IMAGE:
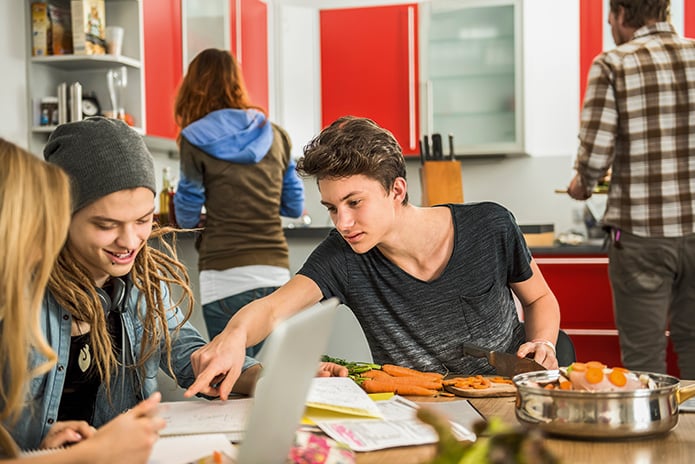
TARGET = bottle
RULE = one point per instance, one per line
(164, 198)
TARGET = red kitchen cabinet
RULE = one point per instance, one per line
(369, 68)
(249, 39)
(163, 64)
(164, 56)
(581, 285)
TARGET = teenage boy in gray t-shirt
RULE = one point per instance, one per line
(421, 281)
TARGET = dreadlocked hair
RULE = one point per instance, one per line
(73, 288)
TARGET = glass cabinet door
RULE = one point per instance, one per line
(470, 74)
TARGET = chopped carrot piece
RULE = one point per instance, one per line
(565, 385)
(549, 386)
(621, 369)
(594, 375)
(579, 367)
(595, 364)
(617, 378)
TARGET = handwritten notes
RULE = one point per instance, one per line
(340, 395)
(198, 417)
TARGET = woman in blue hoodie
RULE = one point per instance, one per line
(237, 164)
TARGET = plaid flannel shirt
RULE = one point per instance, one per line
(639, 118)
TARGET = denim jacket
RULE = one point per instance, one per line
(45, 391)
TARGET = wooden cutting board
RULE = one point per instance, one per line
(495, 390)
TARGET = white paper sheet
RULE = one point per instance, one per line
(343, 395)
(399, 427)
(197, 417)
(183, 449)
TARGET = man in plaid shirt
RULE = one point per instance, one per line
(638, 121)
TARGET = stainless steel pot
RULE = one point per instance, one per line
(599, 415)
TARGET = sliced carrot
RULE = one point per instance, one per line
(477, 382)
(549, 386)
(596, 364)
(501, 380)
(565, 385)
(594, 375)
(578, 366)
(617, 378)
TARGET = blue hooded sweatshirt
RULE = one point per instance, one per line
(236, 136)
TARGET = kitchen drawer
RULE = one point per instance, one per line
(581, 286)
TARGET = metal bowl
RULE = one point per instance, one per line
(599, 415)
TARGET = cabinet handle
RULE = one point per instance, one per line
(571, 260)
(412, 139)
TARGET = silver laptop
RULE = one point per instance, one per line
(290, 361)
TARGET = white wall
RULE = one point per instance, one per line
(525, 184)
(551, 76)
(14, 121)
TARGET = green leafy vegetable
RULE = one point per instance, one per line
(354, 367)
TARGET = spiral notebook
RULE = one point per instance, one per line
(266, 424)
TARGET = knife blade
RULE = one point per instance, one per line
(506, 364)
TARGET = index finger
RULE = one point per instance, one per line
(202, 383)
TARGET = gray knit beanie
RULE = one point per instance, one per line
(101, 156)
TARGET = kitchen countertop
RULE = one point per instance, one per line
(594, 247)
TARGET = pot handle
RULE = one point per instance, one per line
(685, 393)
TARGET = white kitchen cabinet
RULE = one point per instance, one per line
(470, 74)
(45, 73)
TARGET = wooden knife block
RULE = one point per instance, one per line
(441, 182)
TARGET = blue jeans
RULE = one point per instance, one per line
(219, 312)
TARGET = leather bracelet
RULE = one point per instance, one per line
(547, 343)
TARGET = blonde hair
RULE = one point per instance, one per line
(74, 289)
(34, 221)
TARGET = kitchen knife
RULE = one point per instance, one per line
(437, 150)
(506, 364)
(426, 143)
(451, 147)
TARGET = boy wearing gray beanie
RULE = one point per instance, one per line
(108, 311)
(101, 156)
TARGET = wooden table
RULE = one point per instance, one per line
(678, 446)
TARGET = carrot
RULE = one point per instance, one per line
(419, 381)
(565, 385)
(578, 366)
(595, 364)
(400, 371)
(549, 386)
(376, 374)
(617, 378)
(501, 380)
(594, 374)
(384, 386)
(477, 382)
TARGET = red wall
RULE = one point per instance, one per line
(591, 23)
